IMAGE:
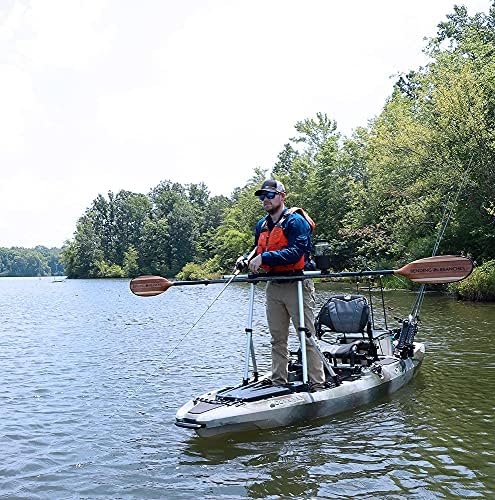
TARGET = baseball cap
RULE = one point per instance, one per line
(270, 185)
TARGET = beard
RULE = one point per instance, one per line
(272, 207)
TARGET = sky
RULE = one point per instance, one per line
(104, 95)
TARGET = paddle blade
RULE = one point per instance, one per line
(148, 286)
(438, 269)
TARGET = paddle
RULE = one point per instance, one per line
(431, 270)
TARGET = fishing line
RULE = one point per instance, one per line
(199, 319)
(444, 223)
(452, 205)
(90, 460)
(153, 373)
(162, 364)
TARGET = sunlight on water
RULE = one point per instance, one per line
(92, 376)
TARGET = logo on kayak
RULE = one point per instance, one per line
(287, 400)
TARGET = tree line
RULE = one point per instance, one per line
(126, 234)
(38, 261)
(379, 197)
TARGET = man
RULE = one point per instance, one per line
(283, 241)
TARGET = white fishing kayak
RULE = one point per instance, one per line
(257, 406)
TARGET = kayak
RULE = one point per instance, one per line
(256, 406)
(361, 364)
(362, 361)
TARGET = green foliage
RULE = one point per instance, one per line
(479, 286)
(131, 259)
(230, 244)
(435, 134)
(246, 209)
(192, 271)
(106, 270)
(127, 234)
(207, 270)
(153, 247)
(181, 236)
(38, 261)
(379, 197)
(81, 255)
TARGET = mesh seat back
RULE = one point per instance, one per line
(344, 314)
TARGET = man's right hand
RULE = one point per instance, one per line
(254, 264)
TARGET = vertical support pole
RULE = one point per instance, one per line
(302, 331)
(249, 337)
(253, 359)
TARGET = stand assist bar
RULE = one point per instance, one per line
(302, 331)
(302, 337)
(249, 340)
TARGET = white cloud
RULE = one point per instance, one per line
(66, 34)
(108, 95)
(17, 101)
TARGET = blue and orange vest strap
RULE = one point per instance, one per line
(301, 211)
(275, 240)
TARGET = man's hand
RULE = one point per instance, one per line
(254, 264)
(241, 263)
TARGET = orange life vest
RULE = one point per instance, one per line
(274, 240)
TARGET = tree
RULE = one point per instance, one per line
(153, 248)
(286, 158)
(181, 237)
(131, 259)
(82, 255)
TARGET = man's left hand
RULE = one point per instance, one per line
(254, 264)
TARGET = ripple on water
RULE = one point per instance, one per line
(92, 376)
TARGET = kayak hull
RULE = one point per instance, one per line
(210, 415)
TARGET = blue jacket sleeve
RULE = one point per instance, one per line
(298, 235)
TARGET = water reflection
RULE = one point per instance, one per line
(90, 384)
(385, 448)
(319, 458)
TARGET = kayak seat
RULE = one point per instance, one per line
(354, 353)
(349, 317)
(343, 314)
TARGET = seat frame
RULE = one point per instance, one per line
(355, 351)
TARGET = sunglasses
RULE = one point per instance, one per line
(269, 196)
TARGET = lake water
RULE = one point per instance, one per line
(91, 377)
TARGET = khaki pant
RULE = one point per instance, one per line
(281, 305)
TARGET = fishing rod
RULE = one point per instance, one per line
(410, 324)
(135, 284)
(445, 219)
(431, 270)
